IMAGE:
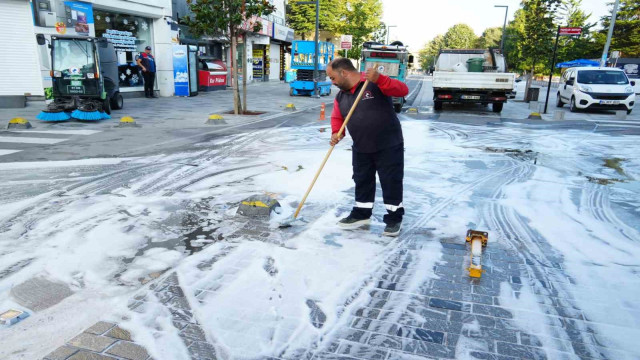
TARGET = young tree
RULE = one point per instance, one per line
(626, 33)
(460, 36)
(361, 20)
(539, 34)
(302, 18)
(429, 53)
(380, 34)
(583, 47)
(513, 42)
(215, 17)
(490, 38)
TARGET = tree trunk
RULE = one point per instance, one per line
(244, 73)
(234, 66)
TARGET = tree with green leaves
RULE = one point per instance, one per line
(539, 32)
(582, 47)
(539, 35)
(216, 17)
(302, 18)
(459, 36)
(429, 53)
(490, 38)
(626, 32)
(380, 34)
(361, 20)
(514, 34)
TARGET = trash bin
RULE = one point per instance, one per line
(533, 94)
(475, 64)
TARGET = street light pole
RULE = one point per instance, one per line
(605, 52)
(389, 26)
(504, 26)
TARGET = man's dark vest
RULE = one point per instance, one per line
(374, 125)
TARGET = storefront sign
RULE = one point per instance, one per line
(180, 70)
(266, 29)
(63, 17)
(282, 33)
(121, 40)
(258, 64)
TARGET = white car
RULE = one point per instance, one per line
(596, 88)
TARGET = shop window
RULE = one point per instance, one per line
(129, 35)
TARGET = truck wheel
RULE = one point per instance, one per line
(559, 102)
(117, 102)
(437, 105)
(629, 111)
(497, 107)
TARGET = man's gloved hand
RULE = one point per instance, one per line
(335, 139)
(372, 75)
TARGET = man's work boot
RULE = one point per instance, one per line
(392, 230)
(351, 222)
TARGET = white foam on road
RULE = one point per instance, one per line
(30, 140)
(59, 132)
(7, 152)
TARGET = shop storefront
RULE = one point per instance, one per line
(130, 35)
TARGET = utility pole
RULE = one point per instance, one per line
(605, 52)
(553, 63)
(504, 26)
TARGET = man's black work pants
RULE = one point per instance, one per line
(149, 79)
(389, 164)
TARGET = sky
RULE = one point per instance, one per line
(419, 21)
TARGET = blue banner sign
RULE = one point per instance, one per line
(180, 70)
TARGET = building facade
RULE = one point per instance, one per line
(130, 25)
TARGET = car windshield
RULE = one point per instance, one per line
(602, 77)
(73, 56)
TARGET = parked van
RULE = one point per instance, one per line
(596, 88)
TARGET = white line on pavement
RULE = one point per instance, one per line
(29, 140)
(60, 132)
(7, 152)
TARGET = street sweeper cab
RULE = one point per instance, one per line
(392, 60)
(85, 79)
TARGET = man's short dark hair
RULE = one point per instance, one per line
(342, 64)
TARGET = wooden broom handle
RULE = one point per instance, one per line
(344, 124)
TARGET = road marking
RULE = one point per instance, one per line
(59, 132)
(30, 140)
(7, 152)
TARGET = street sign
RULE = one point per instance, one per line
(345, 41)
(570, 31)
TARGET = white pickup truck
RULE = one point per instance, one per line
(471, 76)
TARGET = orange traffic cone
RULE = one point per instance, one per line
(322, 117)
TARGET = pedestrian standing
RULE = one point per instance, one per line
(378, 145)
(147, 63)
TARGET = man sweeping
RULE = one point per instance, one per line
(378, 145)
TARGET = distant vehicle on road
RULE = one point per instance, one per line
(596, 88)
(392, 60)
(471, 76)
